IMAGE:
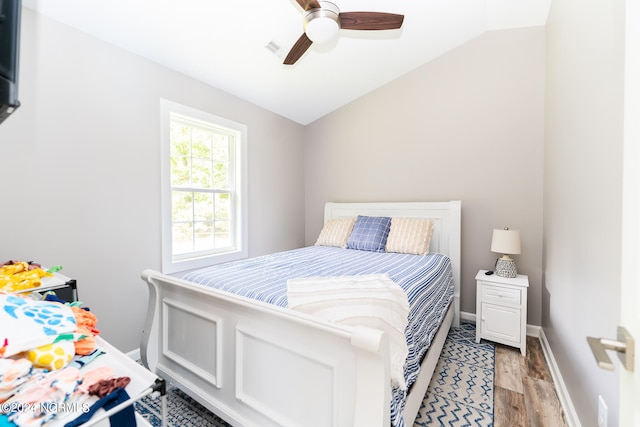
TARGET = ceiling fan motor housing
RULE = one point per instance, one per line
(322, 24)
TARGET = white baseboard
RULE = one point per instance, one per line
(558, 382)
(561, 389)
(134, 354)
(533, 331)
(469, 317)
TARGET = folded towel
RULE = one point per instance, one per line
(372, 300)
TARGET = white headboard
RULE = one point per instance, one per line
(446, 235)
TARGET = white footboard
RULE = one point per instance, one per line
(256, 364)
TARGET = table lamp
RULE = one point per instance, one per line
(506, 242)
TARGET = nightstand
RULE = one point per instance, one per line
(501, 309)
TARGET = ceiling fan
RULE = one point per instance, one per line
(322, 21)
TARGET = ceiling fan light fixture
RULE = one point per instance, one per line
(322, 25)
(323, 21)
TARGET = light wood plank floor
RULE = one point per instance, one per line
(524, 393)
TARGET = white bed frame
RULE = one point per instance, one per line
(257, 364)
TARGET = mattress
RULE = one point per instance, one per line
(427, 280)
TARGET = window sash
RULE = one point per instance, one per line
(206, 238)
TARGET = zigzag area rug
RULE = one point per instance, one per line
(460, 393)
(461, 390)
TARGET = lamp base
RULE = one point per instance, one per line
(506, 268)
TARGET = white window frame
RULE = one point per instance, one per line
(171, 264)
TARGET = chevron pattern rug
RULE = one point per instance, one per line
(460, 393)
(461, 389)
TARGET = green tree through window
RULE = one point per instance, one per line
(204, 191)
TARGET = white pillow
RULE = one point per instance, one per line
(410, 235)
(336, 232)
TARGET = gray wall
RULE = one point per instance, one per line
(81, 173)
(468, 126)
(583, 193)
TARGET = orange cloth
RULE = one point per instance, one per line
(85, 345)
(86, 321)
(85, 318)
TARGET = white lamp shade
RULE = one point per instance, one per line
(506, 241)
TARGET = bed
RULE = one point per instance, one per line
(259, 363)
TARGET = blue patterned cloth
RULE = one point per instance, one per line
(26, 324)
(427, 280)
(370, 233)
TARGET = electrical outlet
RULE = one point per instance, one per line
(602, 412)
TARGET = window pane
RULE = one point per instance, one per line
(221, 146)
(182, 238)
(202, 173)
(221, 176)
(201, 143)
(223, 234)
(180, 171)
(182, 206)
(222, 161)
(223, 206)
(203, 207)
(180, 139)
(203, 236)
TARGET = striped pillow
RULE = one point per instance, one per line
(410, 235)
(336, 232)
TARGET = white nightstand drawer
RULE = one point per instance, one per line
(500, 294)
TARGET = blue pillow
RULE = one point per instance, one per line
(370, 233)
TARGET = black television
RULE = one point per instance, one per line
(10, 11)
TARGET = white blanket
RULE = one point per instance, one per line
(372, 300)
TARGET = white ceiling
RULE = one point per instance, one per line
(222, 42)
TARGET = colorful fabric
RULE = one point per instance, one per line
(94, 376)
(86, 344)
(107, 386)
(41, 393)
(85, 319)
(13, 373)
(4, 421)
(26, 324)
(52, 356)
(81, 361)
(86, 322)
(124, 418)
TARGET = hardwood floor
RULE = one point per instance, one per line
(524, 393)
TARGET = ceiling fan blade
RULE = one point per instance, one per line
(309, 4)
(370, 21)
(298, 49)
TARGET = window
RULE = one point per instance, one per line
(204, 214)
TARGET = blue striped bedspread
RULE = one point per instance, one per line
(427, 280)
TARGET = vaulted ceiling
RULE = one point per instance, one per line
(224, 42)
